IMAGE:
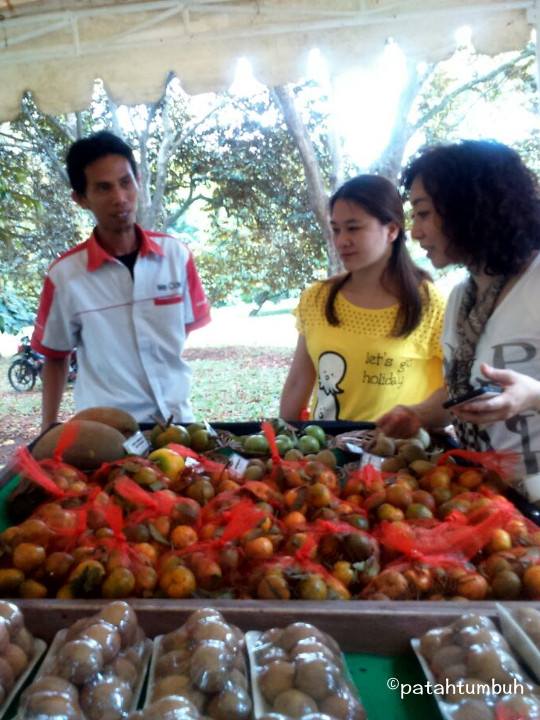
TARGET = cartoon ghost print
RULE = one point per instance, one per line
(332, 368)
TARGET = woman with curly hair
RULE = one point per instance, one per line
(370, 336)
(476, 204)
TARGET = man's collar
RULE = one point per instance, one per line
(97, 255)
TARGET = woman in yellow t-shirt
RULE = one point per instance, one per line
(368, 339)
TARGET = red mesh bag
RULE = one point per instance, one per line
(270, 435)
(502, 463)
(236, 520)
(33, 471)
(459, 535)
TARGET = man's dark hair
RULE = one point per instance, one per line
(84, 152)
(488, 201)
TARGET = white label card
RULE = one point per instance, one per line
(356, 449)
(237, 463)
(137, 444)
(375, 460)
(210, 430)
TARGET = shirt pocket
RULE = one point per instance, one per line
(169, 300)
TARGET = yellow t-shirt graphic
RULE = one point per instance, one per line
(363, 371)
(332, 369)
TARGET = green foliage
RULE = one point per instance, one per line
(37, 221)
(455, 89)
(264, 236)
(15, 312)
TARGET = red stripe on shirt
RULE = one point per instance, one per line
(78, 248)
(199, 302)
(198, 324)
(46, 300)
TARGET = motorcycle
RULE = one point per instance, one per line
(27, 366)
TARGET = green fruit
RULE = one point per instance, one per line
(316, 432)
(254, 472)
(294, 455)
(172, 434)
(357, 521)
(284, 444)
(327, 457)
(154, 434)
(145, 476)
(256, 444)
(308, 444)
(417, 510)
(194, 427)
(200, 440)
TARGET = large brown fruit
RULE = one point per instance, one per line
(115, 418)
(93, 443)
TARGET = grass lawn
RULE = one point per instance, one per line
(229, 383)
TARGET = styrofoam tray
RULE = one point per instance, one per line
(48, 665)
(447, 710)
(519, 640)
(39, 649)
(156, 653)
(260, 705)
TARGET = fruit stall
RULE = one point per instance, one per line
(370, 540)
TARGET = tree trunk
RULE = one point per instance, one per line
(318, 197)
(389, 163)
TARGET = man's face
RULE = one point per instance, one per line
(111, 193)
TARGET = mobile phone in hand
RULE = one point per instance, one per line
(482, 393)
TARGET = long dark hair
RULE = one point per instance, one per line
(380, 198)
(488, 202)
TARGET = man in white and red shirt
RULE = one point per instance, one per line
(126, 299)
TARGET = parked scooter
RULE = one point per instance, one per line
(27, 366)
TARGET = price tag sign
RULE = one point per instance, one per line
(369, 459)
(237, 463)
(210, 430)
(137, 444)
(355, 449)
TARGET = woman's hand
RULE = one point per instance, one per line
(400, 422)
(520, 393)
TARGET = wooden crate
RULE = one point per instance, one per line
(383, 628)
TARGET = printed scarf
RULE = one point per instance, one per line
(473, 314)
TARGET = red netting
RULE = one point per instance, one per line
(53, 465)
(503, 463)
(68, 435)
(115, 520)
(263, 491)
(299, 563)
(366, 477)
(149, 505)
(237, 520)
(32, 470)
(133, 493)
(184, 451)
(458, 535)
(270, 435)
